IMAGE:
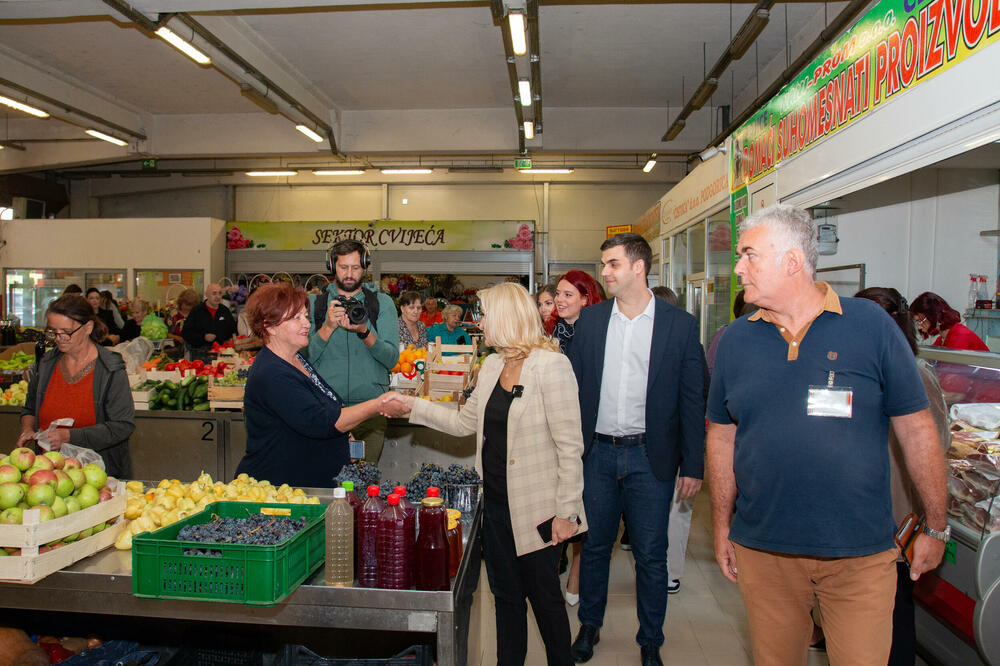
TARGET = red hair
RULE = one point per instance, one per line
(588, 288)
(940, 315)
(271, 304)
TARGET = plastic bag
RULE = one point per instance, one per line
(134, 353)
(984, 415)
(85, 456)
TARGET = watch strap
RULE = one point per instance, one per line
(940, 535)
(363, 334)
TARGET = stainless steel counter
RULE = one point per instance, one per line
(454, 616)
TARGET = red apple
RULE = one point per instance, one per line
(72, 463)
(9, 474)
(104, 494)
(64, 484)
(41, 462)
(58, 459)
(43, 476)
(22, 458)
(10, 495)
(76, 476)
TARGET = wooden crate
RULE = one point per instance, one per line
(438, 363)
(30, 566)
(164, 375)
(218, 393)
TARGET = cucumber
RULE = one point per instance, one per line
(169, 385)
(201, 407)
(188, 379)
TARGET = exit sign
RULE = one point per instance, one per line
(149, 163)
(619, 229)
(522, 163)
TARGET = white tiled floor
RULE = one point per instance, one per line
(706, 623)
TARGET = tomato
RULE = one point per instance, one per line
(170, 367)
(198, 365)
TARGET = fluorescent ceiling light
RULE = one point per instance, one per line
(183, 46)
(650, 163)
(258, 98)
(338, 172)
(749, 32)
(286, 172)
(529, 129)
(400, 172)
(515, 19)
(545, 170)
(524, 91)
(704, 93)
(30, 110)
(675, 129)
(106, 137)
(309, 133)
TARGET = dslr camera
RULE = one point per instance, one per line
(356, 312)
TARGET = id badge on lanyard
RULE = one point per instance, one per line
(830, 400)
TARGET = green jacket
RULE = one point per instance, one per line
(356, 372)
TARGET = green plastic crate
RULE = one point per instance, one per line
(253, 575)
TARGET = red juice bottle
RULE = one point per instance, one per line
(432, 546)
(367, 536)
(392, 547)
(411, 521)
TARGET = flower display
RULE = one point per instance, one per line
(235, 239)
(524, 239)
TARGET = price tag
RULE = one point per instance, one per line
(274, 511)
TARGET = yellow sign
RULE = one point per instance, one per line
(274, 511)
(619, 229)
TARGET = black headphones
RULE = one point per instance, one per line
(356, 246)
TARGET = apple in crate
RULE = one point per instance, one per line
(9, 474)
(22, 458)
(11, 516)
(96, 476)
(41, 494)
(72, 463)
(59, 507)
(45, 513)
(58, 459)
(64, 484)
(76, 475)
(89, 496)
(72, 504)
(10, 495)
(46, 476)
(41, 462)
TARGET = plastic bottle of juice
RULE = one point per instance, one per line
(394, 565)
(367, 536)
(432, 546)
(356, 504)
(339, 541)
(411, 521)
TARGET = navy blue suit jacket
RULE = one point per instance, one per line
(675, 401)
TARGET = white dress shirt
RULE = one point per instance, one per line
(622, 410)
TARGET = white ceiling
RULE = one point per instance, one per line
(392, 79)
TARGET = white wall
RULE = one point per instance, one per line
(920, 232)
(215, 201)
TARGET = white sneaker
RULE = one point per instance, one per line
(572, 599)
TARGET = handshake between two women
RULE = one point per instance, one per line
(394, 404)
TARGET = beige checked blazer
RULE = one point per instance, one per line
(544, 441)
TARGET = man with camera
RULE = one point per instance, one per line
(354, 340)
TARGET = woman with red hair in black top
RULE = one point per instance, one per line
(574, 291)
(933, 316)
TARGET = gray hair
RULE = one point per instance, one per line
(448, 309)
(794, 225)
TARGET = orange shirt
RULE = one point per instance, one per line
(429, 320)
(62, 400)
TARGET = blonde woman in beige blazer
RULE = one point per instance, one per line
(531, 464)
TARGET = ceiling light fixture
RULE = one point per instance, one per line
(749, 32)
(650, 164)
(518, 40)
(309, 133)
(259, 98)
(257, 174)
(182, 45)
(107, 137)
(20, 106)
(703, 93)
(545, 170)
(524, 91)
(675, 129)
(529, 129)
(410, 172)
(338, 172)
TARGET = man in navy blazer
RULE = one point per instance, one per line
(639, 367)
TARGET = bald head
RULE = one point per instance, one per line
(213, 295)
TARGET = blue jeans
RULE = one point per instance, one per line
(616, 479)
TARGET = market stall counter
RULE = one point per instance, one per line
(453, 616)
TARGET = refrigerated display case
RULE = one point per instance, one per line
(958, 606)
(30, 290)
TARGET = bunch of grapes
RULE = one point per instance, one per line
(362, 473)
(458, 475)
(429, 475)
(257, 530)
(386, 488)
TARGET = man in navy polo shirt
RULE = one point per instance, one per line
(802, 397)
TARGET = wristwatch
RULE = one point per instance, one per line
(572, 518)
(363, 334)
(940, 535)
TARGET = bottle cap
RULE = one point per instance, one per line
(433, 491)
(400, 490)
(454, 514)
(432, 501)
(373, 491)
(339, 493)
(348, 486)
(452, 524)
(393, 500)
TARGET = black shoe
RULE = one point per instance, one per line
(586, 639)
(651, 655)
(674, 586)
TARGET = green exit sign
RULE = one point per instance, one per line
(149, 163)
(522, 163)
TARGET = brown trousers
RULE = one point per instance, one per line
(855, 595)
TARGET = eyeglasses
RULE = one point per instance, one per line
(59, 334)
(920, 320)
